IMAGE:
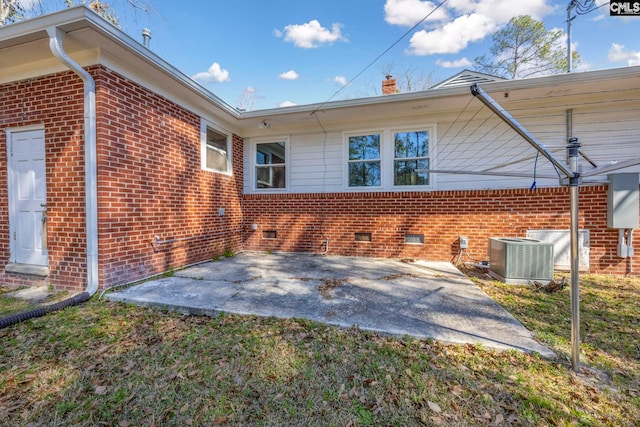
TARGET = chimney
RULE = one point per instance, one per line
(146, 37)
(389, 85)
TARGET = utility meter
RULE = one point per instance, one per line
(464, 242)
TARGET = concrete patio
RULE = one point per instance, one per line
(420, 299)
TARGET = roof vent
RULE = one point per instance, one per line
(146, 37)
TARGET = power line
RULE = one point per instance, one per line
(380, 56)
(582, 7)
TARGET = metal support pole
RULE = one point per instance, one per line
(569, 129)
(573, 148)
(497, 109)
(572, 4)
(573, 178)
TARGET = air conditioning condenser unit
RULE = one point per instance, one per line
(519, 260)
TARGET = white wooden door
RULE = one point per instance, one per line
(27, 197)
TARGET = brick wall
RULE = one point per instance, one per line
(304, 222)
(57, 103)
(149, 181)
(151, 184)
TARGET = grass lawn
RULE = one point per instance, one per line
(110, 364)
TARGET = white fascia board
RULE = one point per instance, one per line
(147, 55)
(553, 81)
(36, 28)
(357, 102)
(558, 80)
(79, 17)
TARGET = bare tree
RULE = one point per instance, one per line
(101, 8)
(13, 10)
(408, 78)
(10, 11)
(248, 99)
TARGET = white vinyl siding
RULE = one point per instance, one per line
(314, 165)
(471, 140)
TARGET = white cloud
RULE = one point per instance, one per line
(501, 11)
(289, 75)
(452, 37)
(583, 66)
(215, 73)
(458, 22)
(341, 80)
(311, 34)
(458, 63)
(408, 13)
(287, 104)
(617, 53)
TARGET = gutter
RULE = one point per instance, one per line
(91, 188)
(90, 156)
(543, 82)
(80, 17)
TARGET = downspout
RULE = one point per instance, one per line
(90, 156)
(91, 173)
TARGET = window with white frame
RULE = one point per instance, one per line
(411, 157)
(389, 158)
(271, 165)
(364, 160)
(216, 153)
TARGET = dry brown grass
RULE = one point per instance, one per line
(112, 364)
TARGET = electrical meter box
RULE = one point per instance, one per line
(623, 199)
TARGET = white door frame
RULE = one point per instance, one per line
(40, 255)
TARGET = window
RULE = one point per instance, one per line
(364, 160)
(216, 150)
(389, 159)
(411, 158)
(271, 165)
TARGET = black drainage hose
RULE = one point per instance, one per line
(38, 312)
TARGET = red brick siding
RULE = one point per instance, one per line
(304, 222)
(149, 181)
(57, 103)
(151, 184)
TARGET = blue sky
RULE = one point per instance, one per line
(257, 54)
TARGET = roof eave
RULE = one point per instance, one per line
(503, 85)
(79, 17)
(355, 102)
